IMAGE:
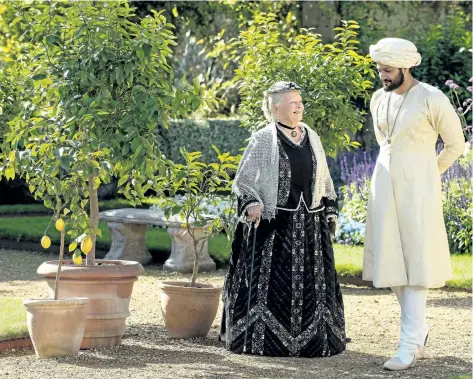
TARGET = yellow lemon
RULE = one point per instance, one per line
(45, 242)
(77, 259)
(60, 224)
(86, 245)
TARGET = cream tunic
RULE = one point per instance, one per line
(406, 241)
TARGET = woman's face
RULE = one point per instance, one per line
(290, 109)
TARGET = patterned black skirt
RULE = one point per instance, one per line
(296, 306)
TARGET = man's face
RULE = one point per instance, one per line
(391, 77)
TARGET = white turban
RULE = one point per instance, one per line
(395, 52)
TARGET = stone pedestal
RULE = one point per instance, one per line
(182, 252)
(128, 242)
(128, 228)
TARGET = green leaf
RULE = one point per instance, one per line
(10, 173)
(122, 181)
(96, 182)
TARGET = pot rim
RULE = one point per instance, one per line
(122, 270)
(78, 301)
(184, 285)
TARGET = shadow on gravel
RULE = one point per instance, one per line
(147, 348)
(451, 302)
(364, 291)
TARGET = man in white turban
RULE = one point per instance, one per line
(406, 245)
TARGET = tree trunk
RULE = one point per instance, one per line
(94, 219)
(59, 266)
(196, 264)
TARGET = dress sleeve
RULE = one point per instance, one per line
(244, 202)
(331, 207)
(447, 123)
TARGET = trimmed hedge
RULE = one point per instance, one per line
(199, 135)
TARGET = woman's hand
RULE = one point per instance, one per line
(332, 226)
(254, 214)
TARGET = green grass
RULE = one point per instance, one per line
(349, 262)
(348, 259)
(462, 268)
(12, 318)
(468, 376)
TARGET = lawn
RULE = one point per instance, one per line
(349, 262)
(349, 259)
(12, 318)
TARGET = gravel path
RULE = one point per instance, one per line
(372, 323)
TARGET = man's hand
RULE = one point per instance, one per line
(254, 214)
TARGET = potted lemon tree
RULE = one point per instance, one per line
(56, 326)
(99, 84)
(189, 308)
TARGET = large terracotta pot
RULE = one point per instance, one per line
(189, 311)
(108, 285)
(56, 326)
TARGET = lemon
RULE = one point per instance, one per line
(86, 245)
(77, 259)
(45, 242)
(60, 224)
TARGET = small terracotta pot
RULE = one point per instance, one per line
(56, 326)
(189, 311)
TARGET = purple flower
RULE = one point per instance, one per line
(460, 110)
(449, 82)
(454, 86)
(471, 80)
(469, 89)
(467, 101)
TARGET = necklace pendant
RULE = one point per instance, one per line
(294, 133)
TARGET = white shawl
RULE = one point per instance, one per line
(258, 173)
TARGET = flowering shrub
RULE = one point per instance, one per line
(456, 200)
(458, 205)
(349, 232)
(463, 108)
(356, 171)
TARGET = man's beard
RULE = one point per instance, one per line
(395, 84)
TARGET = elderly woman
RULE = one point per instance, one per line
(288, 209)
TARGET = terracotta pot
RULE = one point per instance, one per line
(108, 286)
(189, 311)
(56, 326)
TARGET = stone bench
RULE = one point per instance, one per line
(128, 228)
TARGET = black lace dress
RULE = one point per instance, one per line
(296, 306)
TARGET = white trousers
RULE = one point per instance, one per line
(414, 328)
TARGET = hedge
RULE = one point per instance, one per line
(199, 135)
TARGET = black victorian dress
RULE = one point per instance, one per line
(296, 306)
